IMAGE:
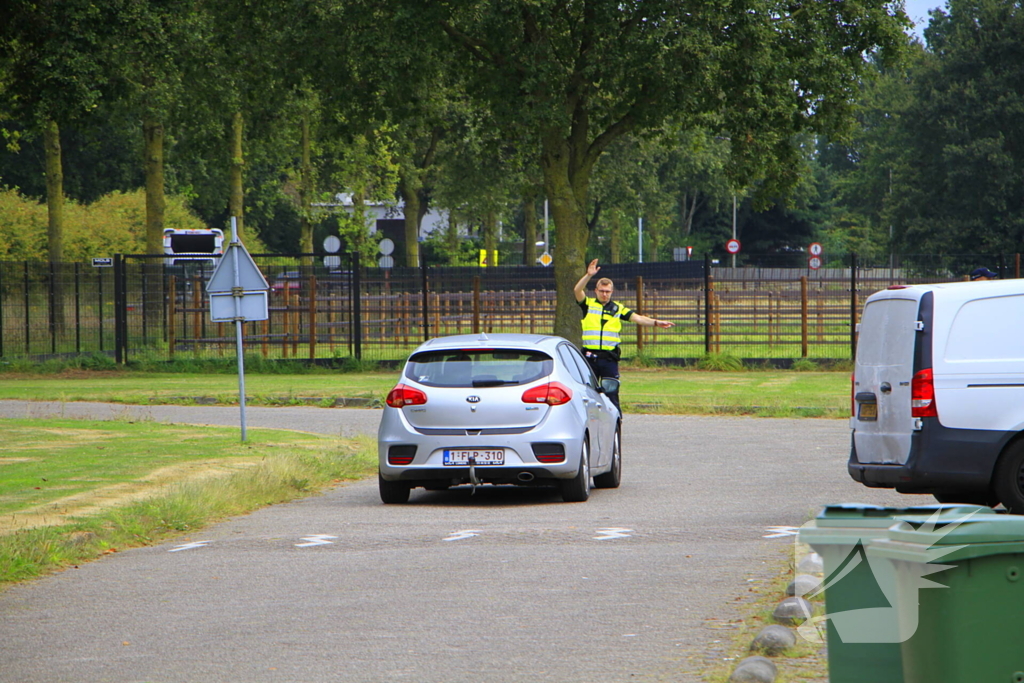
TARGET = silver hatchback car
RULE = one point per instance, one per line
(517, 409)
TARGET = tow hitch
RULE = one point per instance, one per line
(472, 474)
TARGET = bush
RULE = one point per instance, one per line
(720, 362)
(804, 365)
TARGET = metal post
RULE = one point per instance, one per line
(236, 291)
(853, 306)
(53, 307)
(707, 303)
(426, 308)
(640, 238)
(119, 309)
(78, 311)
(357, 308)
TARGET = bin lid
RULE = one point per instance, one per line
(979, 528)
(914, 538)
(879, 517)
(846, 524)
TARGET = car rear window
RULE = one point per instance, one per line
(478, 367)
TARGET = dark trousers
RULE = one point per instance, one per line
(604, 365)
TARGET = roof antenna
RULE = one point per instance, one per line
(483, 337)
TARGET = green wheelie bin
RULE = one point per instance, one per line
(960, 588)
(862, 629)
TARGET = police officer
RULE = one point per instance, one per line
(602, 323)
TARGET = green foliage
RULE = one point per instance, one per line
(113, 224)
(720, 362)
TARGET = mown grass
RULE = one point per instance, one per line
(281, 466)
(646, 387)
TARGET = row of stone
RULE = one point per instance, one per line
(775, 639)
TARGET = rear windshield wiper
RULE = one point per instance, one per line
(493, 382)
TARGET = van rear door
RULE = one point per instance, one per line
(882, 424)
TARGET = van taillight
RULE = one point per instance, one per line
(553, 393)
(403, 395)
(922, 395)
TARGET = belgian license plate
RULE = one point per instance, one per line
(481, 456)
(868, 411)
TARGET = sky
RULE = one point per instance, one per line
(917, 10)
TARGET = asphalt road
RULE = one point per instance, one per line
(502, 585)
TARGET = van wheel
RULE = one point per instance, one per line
(1009, 478)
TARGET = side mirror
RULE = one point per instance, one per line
(609, 385)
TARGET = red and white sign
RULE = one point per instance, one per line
(733, 246)
(814, 262)
(815, 249)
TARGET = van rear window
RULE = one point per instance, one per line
(887, 332)
(478, 367)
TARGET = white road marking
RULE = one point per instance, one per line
(459, 535)
(315, 539)
(190, 546)
(612, 532)
(781, 531)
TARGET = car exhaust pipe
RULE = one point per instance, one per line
(525, 477)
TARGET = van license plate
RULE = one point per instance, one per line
(867, 411)
(481, 456)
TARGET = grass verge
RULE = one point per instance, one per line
(767, 393)
(282, 466)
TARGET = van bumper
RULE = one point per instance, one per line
(941, 460)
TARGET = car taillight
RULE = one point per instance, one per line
(552, 393)
(922, 395)
(403, 395)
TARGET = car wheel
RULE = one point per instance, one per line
(613, 477)
(1009, 478)
(393, 491)
(577, 489)
(975, 498)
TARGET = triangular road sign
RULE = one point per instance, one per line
(250, 279)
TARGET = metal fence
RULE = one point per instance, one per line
(142, 308)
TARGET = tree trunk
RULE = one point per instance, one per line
(490, 227)
(529, 229)
(55, 217)
(408, 189)
(615, 241)
(235, 195)
(153, 131)
(452, 237)
(566, 183)
(305, 190)
(54, 192)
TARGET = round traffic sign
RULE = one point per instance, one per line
(386, 261)
(332, 244)
(733, 246)
(386, 247)
(814, 262)
(815, 249)
(332, 262)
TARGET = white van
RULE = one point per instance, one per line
(938, 392)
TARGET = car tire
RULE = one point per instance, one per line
(1009, 478)
(613, 477)
(577, 489)
(392, 492)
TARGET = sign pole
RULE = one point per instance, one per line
(237, 293)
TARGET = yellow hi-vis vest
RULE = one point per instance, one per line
(602, 324)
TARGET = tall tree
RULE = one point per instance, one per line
(56, 60)
(958, 179)
(577, 76)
